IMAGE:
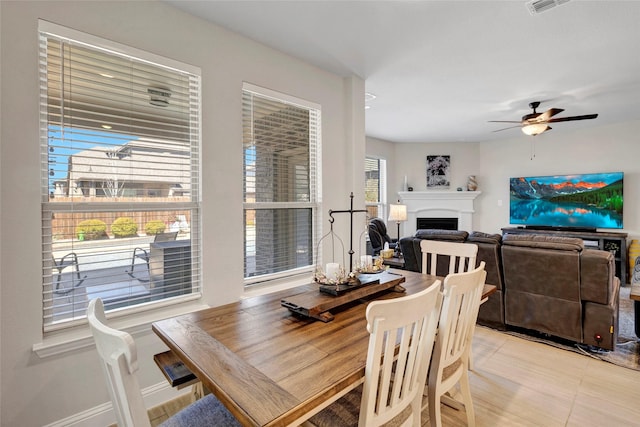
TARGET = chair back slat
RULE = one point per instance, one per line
(462, 256)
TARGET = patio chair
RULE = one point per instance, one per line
(69, 260)
(119, 357)
(143, 254)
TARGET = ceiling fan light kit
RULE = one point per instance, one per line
(536, 129)
(536, 123)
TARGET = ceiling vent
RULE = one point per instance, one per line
(159, 96)
(538, 6)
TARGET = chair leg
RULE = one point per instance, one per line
(59, 281)
(435, 417)
(197, 391)
(466, 397)
(144, 256)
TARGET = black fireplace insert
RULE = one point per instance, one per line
(437, 223)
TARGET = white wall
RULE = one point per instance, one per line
(411, 160)
(602, 149)
(40, 391)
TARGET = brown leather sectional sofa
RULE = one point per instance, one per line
(545, 283)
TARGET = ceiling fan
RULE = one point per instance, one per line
(535, 123)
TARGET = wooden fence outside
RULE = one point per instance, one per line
(64, 223)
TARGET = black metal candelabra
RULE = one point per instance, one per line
(351, 211)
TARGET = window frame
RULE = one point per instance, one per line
(314, 203)
(50, 30)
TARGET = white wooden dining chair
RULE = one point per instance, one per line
(462, 257)
(118, 354)
(402, 333)
(449, 364)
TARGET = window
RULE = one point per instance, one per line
(375, 171)
(120, 138)
(281, 142)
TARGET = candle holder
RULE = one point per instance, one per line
(334, 274)
(374, 265)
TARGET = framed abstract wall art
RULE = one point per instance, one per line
(438, 171)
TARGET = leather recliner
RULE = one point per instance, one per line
(378, 235)
(555, 286)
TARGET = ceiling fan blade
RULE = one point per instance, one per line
(572, 118)
(548, 114)
(510, 127)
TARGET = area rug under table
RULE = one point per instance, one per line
(626, 354)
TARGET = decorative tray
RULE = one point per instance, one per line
(341, 288)
(318, 305)
(378, 271)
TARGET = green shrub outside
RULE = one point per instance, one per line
(124, 227)
(154, 227)
(91, 229)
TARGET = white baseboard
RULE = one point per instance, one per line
(103, 415)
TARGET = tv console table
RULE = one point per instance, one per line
(616, 243)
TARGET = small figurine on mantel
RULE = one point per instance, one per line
(472, 184)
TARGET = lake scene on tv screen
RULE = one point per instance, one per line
(584, 200)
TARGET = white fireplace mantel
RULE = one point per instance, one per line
(438, 204)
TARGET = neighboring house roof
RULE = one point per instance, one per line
(143, 160)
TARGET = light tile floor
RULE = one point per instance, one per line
(523, 383)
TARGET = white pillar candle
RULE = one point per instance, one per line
(331, 270)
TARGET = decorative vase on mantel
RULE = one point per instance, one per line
(472, 184)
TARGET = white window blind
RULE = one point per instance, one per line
(375, 186)
(281, 141)
(120, 138)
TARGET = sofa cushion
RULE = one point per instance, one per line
(551, 273)
(480, 237)
(544, 242)
(438, 234)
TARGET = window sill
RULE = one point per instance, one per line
(79, 337)
(277, 285)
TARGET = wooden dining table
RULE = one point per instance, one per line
(273, 367)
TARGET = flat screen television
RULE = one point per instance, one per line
(584, 201)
